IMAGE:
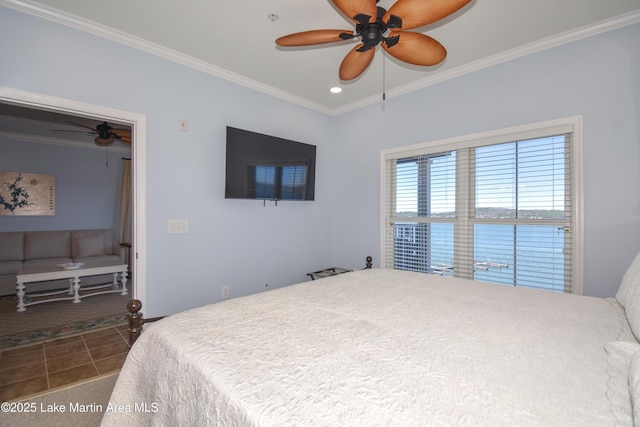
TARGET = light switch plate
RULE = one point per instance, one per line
(178, 226)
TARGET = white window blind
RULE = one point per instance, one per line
(496, 209)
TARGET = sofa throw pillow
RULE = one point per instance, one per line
(47, 244)
(11, 246)
(90, 246)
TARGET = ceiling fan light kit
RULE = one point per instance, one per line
(103, 142)
(378, 26)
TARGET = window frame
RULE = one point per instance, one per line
(573, 124)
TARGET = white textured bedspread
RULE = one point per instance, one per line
(376, 348)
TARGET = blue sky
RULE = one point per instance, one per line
(538, 176)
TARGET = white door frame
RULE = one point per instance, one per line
(138, 122)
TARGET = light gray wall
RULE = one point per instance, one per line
(87, 192)
(598, 78)
(231, 242)
(241, 243)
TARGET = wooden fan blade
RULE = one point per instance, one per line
(122, 135)
(82, 126)
(74, 131)
(122, 132)
(352, 8)
(355, 63)
(307, 38)
(416, 13)
(416, 48)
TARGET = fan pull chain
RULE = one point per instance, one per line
(106, 156)
(384, 78)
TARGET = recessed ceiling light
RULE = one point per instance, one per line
(335, 89)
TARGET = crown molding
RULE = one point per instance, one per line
(539, 46)
(120, 37)
(125, 39)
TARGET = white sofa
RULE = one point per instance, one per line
(22, 249)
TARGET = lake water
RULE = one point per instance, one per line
(525, 255)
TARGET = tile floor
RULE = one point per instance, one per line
(40, 367)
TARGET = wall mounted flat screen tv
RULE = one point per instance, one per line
(263, 167)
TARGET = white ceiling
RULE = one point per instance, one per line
(236, 39)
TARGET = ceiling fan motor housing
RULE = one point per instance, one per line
(104, 130)
(105, 136)
(372, 33)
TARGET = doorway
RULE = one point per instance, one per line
(137, 122)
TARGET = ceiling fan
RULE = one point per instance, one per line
(105, 134)
(375, 25)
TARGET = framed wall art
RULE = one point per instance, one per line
(24, 193)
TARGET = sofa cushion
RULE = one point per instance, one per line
(88, 246)
(46, 262)
(10, 268)
(47, 244)
(91, 243)
(100, 259)
(11, 246)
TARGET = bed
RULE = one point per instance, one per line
(381, 347)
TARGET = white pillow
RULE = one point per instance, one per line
(620, 395)
(632, 312)
(634, 387)
(630, 281)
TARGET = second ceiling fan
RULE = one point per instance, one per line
(375, 25)
(104, 133)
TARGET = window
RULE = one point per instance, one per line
(499, 207)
